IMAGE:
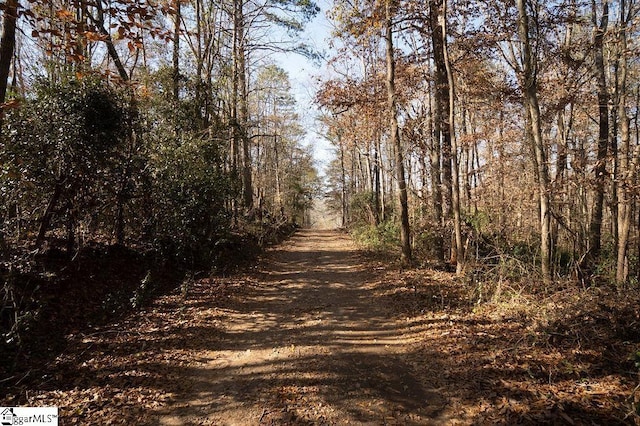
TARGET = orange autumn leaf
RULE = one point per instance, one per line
(64, 14)
(94, 36)
(11, 104)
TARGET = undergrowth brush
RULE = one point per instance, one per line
(48, 295)
(573, 346)
(381, 238)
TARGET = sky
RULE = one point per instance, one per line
(303, 75)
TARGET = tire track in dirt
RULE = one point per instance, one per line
(305, 342)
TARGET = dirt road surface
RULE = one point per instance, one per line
(315, 333)
(306, 343)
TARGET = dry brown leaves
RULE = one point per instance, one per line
(523, 358)
(122, 373)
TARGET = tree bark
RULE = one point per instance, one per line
(111, 48)
(625, 170)
(343, 184)
(176, 51)
(529, 82)
(241, 104)
(595, 227)
(235, 130)
(441, 124)
(436, 184)
(7, 46)
(45, 221)
(455, 178)
(376, 181)
(405, 241)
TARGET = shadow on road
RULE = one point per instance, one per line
(305, 341)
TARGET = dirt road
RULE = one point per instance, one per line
(316, 334)
(305, 343)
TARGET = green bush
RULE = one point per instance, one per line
(381, 238)
(189, 190)
(363, 210)
(63, 148)
(189, 193)
(425, 239)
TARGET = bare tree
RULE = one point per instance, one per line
(7, 46)
(530, 87)
(405, 231)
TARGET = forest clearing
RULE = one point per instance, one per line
(319, 333)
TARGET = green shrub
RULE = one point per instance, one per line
(63, 148)
(381, 238)
(189, 192)
(363, 210)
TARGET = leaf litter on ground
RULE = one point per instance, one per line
(565, 357)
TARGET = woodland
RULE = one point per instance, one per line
(147, 145)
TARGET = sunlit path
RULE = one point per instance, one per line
(304, 344)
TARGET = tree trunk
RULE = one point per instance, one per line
(45, 221)
(395, 137)
(7, 45)
(111, 48)
(376, 182)
(441, 120)
(529, 82)
(235, 125)
(343, 184)
(625, 171)
(241, 103)
(381, 181)
(243, 112)
(455, 179)
(99, 21)
(595, 227)
(71, 227)
(176, 51)
(123, 194)
(436, 184)
(201, 104)
(565, 125)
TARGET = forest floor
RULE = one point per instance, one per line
(317, 333)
